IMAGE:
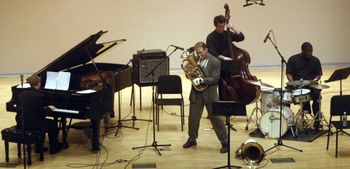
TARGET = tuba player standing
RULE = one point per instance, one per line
(211, 67)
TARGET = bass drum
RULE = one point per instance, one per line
(270, 122)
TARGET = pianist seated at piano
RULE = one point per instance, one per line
(31, 115)
(76, 87)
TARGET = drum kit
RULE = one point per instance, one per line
(269, 122)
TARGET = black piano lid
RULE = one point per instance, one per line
(79, 54)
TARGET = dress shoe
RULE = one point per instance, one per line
(44, 150)
(189, 144)
(224, 148)
(56, 149)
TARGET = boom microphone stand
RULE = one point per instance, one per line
(283, 61)
(154, 143)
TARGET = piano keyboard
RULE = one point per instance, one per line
(65, 111)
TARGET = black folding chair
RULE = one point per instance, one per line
(339, 105)
(169, 85)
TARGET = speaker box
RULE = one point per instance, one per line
(146, 61)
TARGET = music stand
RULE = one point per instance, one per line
(227, 109)
(340, 74)
(119, 124)
(226, 66)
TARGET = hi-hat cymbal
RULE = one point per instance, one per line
(320, 86)
(298, 83)
(260, 83)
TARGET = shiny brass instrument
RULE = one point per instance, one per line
(251, 152)
(192, 69)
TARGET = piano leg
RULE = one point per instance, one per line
(95, 142)
(64, 133)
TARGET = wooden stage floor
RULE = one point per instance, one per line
(205, 155)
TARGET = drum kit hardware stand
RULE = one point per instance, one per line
(301, 120)
(254, 115)
(319, 116)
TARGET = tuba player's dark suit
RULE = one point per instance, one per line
(205, 98)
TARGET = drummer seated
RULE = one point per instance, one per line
(303, 70)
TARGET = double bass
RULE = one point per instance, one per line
(234, 85)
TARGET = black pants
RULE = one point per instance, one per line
(49, 126)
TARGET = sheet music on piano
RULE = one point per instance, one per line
(57, 80)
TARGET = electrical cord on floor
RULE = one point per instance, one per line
(137, 156)
(97, 164)
(176, 115)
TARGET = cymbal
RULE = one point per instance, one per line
(298, 83)
(320, 86)
(260, 83)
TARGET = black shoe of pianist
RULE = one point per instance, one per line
(37, 150)
(56, 149)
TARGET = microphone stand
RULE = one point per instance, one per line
(283, 61)
(154, 144)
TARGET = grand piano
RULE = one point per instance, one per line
(103, 79)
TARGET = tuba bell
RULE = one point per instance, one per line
(251, 152)
(192, 69)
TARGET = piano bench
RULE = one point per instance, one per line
(28, 138)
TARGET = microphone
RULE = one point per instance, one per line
(177, 47)
(267, 36)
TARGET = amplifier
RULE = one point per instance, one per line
(147, 60)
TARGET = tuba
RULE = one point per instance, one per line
(192, 69)
(251, 152)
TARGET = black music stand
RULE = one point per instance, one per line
(340, 74)
(227, 109)
(226, 66)
(119, 124)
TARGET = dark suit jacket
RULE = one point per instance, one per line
(212, 72)
(30, 106)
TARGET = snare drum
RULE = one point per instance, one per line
(301, 95)
(270, 122)
(287, 96)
